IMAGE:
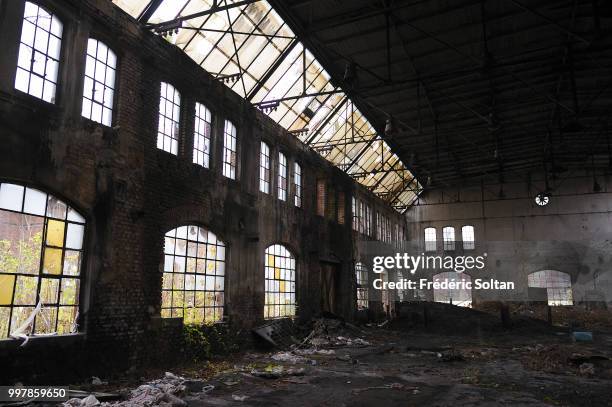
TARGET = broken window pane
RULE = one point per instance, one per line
(37, 70)
(189, 276)
(264, 168)
(99, 85)
(169, 114)
(279, 280)
(201, 139)
(34, 247)
(229, 150)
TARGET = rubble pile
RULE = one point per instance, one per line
(331, 332)
(165, 392)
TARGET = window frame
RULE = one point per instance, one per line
(297, 184)
(293, 272)
(265, 168)
(186, 256)
(30, 71)
(468, 244)
(430, 245)
(282, 178)
(105, 85)
(227, 164)
(175, 122)
(72, 216)
(206, 156)
(449, 238)
(362, 283)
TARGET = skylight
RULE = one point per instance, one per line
(246, 44)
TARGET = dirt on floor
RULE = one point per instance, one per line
(461, 358)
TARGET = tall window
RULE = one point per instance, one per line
(282, 177)
(341, 208)
(558, 286)
(201, 136)
(361, 210)
(297, 183)
(355, 214)
(41, 248)
(194, 275)
(280, 282)
(467, 236)
(229, 150)
(430, 240)
(99, 87)
(264, 168)
(361, 274)
(39, 53)
(321, 197)
(379, 234)
(368, 221)
(169, 113)
(448, 234)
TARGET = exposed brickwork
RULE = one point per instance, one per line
(132, 193)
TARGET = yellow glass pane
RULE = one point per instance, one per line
(53, 261)
(5, 312)
(48, 290)
(282, 286)
(6, 289)
(270, 260)
(55, 232)
(66, 320)
(45, 321)
(70, 291)
(25, 290)
(277, 273)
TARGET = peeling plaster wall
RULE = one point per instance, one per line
(132, 193)
(572, 234)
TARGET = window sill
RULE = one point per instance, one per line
(12, 343)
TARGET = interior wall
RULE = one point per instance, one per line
(572, 234)
(132, 193)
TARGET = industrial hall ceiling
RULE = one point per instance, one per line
(405, 95)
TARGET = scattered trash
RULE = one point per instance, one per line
(289, 357)
(276, 372)
(89, 401)
(236, 397)
(96, 381)
(450, 356)
(587, 369)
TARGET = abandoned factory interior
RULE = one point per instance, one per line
(305, 203)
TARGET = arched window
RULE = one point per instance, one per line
(39, 53)
(41, 250)
(448, 234)
(99, 86)
(361, 274)
(201, 135)
(194, 275)
(169, 115)
(264, 168)
(229, 150)
(282, 177)
(460, 296)
(430, 240)
(467, 236)
(280, 282)
(558, 286)
(297, 183)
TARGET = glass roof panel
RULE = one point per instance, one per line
(250, 39)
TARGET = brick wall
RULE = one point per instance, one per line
(132, 193)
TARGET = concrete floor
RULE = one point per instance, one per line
(424, 370)
(462, 358)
